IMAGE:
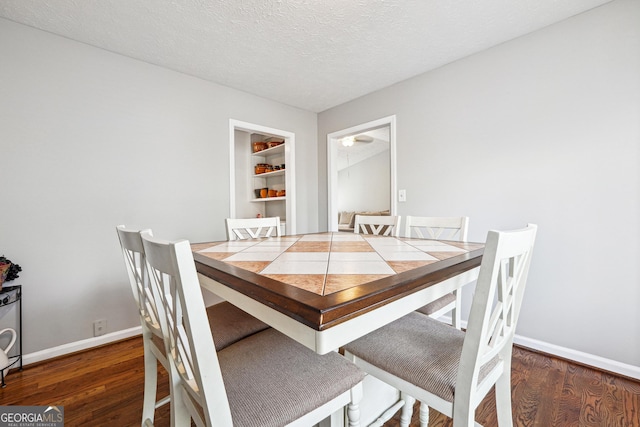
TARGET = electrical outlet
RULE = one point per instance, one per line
(99, 327)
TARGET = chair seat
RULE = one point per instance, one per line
(419, 350)
(438, 304)
(229, 324)
(272, 380)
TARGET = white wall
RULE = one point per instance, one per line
(90, 140)
(542, 129)
(365, 186)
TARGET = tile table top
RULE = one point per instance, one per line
(325, 263)
(326, 289)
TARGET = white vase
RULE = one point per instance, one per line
(4, 357)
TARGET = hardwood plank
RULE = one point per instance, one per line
(528, 398)
(98, 387)
(551, 392)
(104, 387)
(612, 403)
(630, 391)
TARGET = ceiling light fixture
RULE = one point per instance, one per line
(348, 141)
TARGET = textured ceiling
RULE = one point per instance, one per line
(312, 54)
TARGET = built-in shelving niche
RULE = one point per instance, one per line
(244, 181)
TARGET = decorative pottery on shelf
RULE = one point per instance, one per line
(259, 146)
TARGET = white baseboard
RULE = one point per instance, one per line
(571, 354)
(552, 349)
(580, 357)
(61, 350)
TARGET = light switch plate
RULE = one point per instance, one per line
(402, 195)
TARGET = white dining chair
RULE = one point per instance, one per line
(445, 368)
(252, 228)
(232, 324)
(381, 225)
(442, 228)
(266, 379)
(437, 227)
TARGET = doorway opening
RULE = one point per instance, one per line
(361, 170)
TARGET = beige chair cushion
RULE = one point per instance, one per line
(229, 324)
(345, 217)
(272, 380)
(352, 223)
(417, 349)
(436, 305)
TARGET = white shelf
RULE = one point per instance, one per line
(267, 174)
(270, 151)
(274, 153)
(244, 181)
(268, 199)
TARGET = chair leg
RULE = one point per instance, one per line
(424, 414)
(150, 383)
(503, 398)
(456, 320)
(463, 412)
(353, 409)
(180, 416)
(388, 414)
(336, 419)
(407, 410)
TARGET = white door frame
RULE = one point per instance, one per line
(332, 170)
(289, 174)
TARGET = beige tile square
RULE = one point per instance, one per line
(195, 247)
(340, 282)
(351, 247)
(217, 255)
(466, 245)
(309, 282)
(254, 266)
(310, 247)
(445, 255)
(359, 267)
(402, 266)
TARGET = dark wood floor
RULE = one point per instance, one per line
(103, 387)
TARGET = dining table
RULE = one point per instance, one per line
(327, 289)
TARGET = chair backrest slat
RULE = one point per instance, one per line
(382, 225)
(252, 228)
(497, 302)
(134, 257)
(188, 340)
(443, 228)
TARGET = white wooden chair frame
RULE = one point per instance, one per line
(384, 225)
(441, 228)
(252, 228)
(194, 365)
(134, 259)
(491, 328)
